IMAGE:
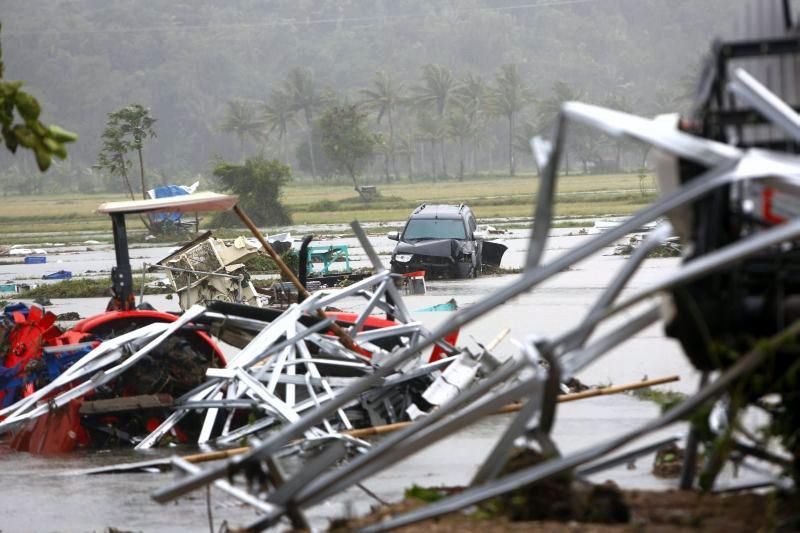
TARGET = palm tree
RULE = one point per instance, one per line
(507, 98)
(470, 96)
(435, 93)
(382, 98)
(430, 130)
(406, 147)
(305, 97)
(551, 107)
(522, 138)
(618, 102)
(241, 118)
(278, 114)
(459, 126)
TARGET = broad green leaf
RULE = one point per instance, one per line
(24, 135)
(62, 135)
(43, 159)
(27, 105)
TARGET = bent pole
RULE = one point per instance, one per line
(346, 339)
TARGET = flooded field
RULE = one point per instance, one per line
(46, 493)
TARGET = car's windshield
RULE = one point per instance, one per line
(434, 228)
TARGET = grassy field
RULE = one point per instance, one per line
(320, 203)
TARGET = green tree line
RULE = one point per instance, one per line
(197, 64)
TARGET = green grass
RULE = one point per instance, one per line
(318, 203)
(662, 398)
(84, 288)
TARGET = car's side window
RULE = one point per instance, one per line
(472, 225)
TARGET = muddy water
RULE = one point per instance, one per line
(44, 494)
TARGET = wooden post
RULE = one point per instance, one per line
(344, 337)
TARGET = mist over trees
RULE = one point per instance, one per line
(452, 88)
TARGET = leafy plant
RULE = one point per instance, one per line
(258, 183)
(346, 141)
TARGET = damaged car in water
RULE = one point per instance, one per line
(444, 241)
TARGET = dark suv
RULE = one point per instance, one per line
(443, 241)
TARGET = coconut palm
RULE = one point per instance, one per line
(241, 119)
(507, 98)
(430, 129)
(618, 102)
(278, 114)
(382, 99)
(523, 136)
(406, 147)
(306, 97)
(470, 97)
(550, 107)
(460, 127)
(435, 93)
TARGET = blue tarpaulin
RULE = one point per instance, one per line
(165, 192)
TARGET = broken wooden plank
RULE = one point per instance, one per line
(127, 403)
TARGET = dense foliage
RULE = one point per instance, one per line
(346, 141)
(187, 60)
(126, 130)
(258, 183)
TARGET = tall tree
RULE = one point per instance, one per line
(619, 102)
(507, 98)
(278, 115)
(382, 98)
(470, 96)
(523, 136)
(461, 128)
(306, 97)
(550, 107)
(406, 147)
(430, 129)
(112, 154)
(242, 119)
(435, 93)
(135, 126)
(346, 140)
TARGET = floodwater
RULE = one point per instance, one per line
(46, 493)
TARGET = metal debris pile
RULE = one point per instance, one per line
(534, 377)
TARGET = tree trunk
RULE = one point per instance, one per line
(461, 163)
(241, 147)
(391, 143)
(645, 152)
(141, 173)
(433, 159)
(511, 144)
(410, 167)
(311, 143)
(444, 157)
(474, 157)
(128, 183)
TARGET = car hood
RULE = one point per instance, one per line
(435, 247)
